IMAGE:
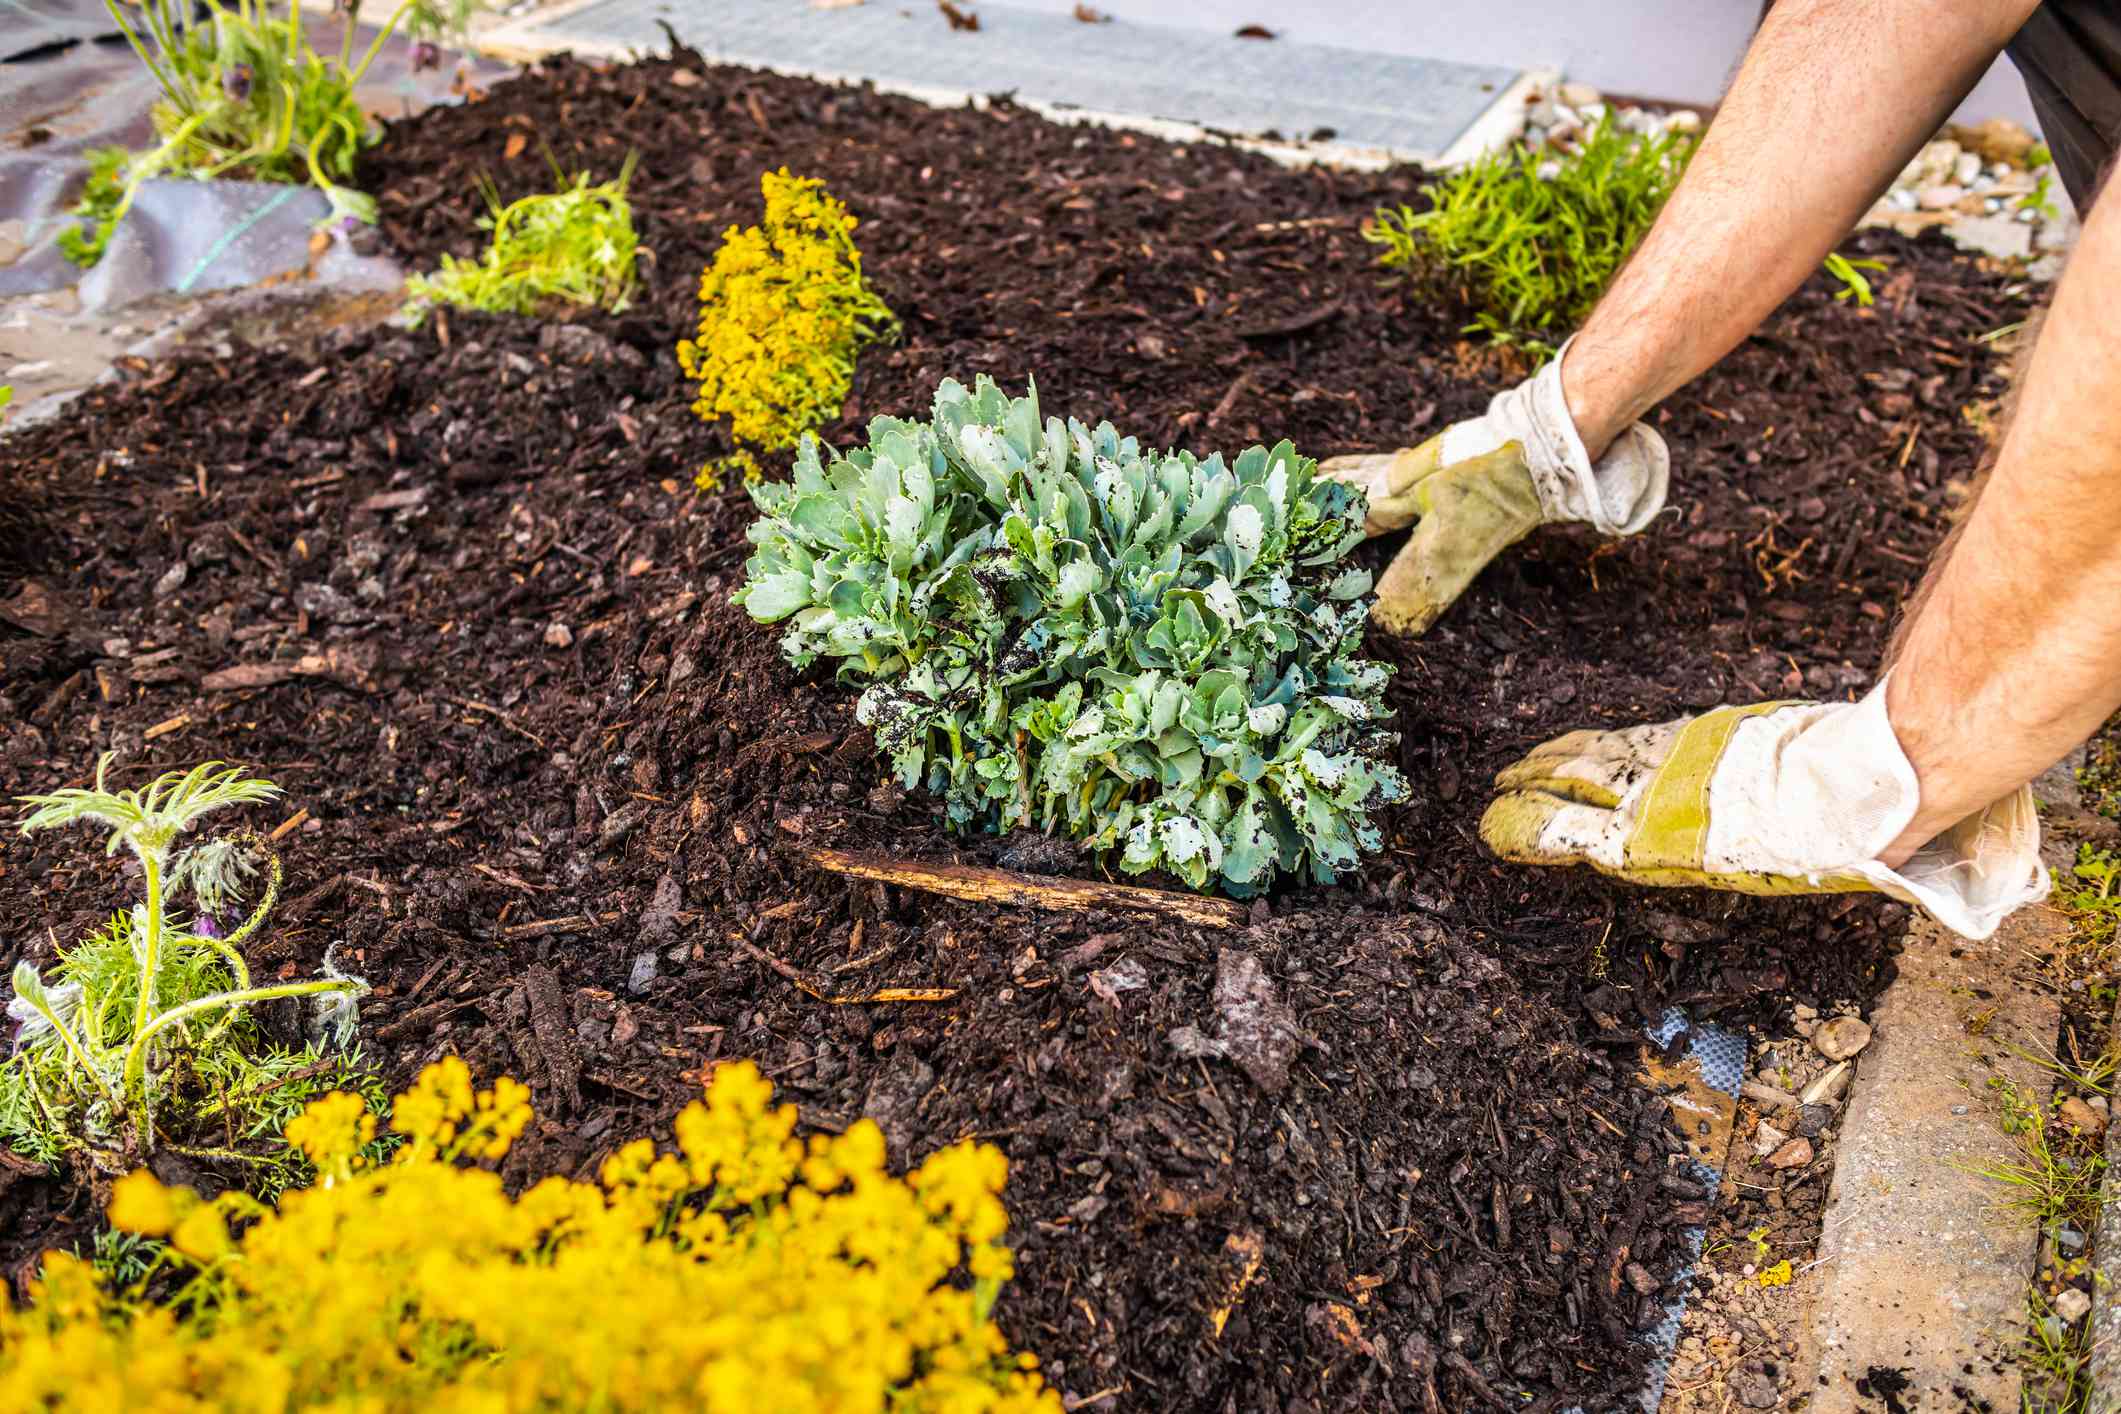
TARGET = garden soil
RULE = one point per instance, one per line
(548, 791)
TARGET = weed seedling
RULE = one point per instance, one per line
(144, 1031)
(570, 248)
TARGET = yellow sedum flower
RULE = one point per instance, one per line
(747, 1272)
(783, 310)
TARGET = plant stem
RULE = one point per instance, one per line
(377, 47)
(136, 1055)
(151, 949)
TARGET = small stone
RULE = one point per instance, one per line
(1793, 1155)
(1682, 120)
(643, 975)
(1812, 1120)
(1843, 1037)
(1754, 1389)
(1966, 168)
(1767, 1139)
(558, 635)
(2068, 1241)
(1828, 1088)
(1804, 1013)
(2098, 1104)
(2082, 1117)
(1998, 237)
(1939, 198)
(2071, 1305)
(1578, 95)
(1768, 1095)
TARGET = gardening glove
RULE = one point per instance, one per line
(1779, 798)
(1481, 485)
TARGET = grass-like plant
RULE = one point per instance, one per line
(1147, 652)
(784, 308)
(758, 1271)
(1528, 240)
(573, 247)
(244, 94)
(143, 1033)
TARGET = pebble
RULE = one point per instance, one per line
(1843, 1037)
(1767, 1139)
(1966, 168)
(1942, 198)
(643, 975)
(1578, 95)
(1682, 120)
(2086, 1120)
(1812, 1120)
(2068, 1241)
(2071, 1305)
(1768, 1095)
(558, 635)
(1793, 1155)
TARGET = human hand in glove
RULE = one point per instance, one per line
(1780, 798)
(1481, 485)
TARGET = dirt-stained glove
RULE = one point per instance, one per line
(1481, 485)
(1780, 798)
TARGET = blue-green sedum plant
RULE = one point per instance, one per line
(146, 1019)
(1143, 651)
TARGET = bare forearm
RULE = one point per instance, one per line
(2014, 653)
(1832, 100)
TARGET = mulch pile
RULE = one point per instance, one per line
(453, 590)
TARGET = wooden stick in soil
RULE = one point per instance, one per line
(1006, 886)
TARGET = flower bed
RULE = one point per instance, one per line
(453, 590)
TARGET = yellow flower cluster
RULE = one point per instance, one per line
(783, 310)
(747, 1271)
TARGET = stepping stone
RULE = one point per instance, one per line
(1372, 108)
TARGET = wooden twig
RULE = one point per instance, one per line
(811, 989)
(1006, 886)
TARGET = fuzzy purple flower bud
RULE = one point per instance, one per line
(425, 55)
(236, 83)
(206, 926)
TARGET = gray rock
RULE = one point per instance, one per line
(1755, 1390)
(643, 975)
(1997, 236)
(2071, 1305)
(1812, 1120)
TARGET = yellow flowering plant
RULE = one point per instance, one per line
(784, 308)
(747, 1271)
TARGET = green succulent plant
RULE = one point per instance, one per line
(1146, 652)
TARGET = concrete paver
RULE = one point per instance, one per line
(1924, 1273)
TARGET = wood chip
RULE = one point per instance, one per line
(1005, 886)
(164, 728)
(288, 826)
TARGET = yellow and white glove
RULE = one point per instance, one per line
(1481, 485)
(1779, 798)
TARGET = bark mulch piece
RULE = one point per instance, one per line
(1376, 1148)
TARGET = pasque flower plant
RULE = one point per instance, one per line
(1153, 653)
(149, 1011)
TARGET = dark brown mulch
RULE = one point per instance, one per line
(555, 781)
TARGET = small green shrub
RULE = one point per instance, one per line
(1147, 652)
(143, 1034)
(1531, 253)
(574, 246)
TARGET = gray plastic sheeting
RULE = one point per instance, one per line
(181, 236)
